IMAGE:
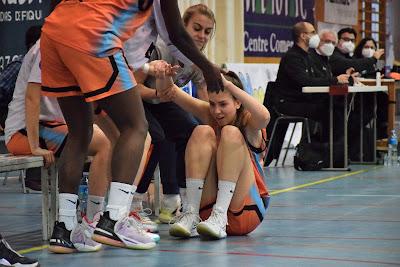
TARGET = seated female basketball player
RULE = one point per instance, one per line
(224, 179)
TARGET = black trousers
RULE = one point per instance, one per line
(314, 110)
(317, 109)
(165, 155)
(170, 128)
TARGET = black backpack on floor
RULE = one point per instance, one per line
(310, 156)
(315, 156)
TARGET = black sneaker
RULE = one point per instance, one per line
(9, 257)
(60, 240)
(104, 232)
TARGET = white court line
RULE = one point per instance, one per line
(363, 195)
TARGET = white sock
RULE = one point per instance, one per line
(171, 202)
(225, 194)
(67, 210)
(95, 204)
(194, 189)
(118, 200)
(133, 191)
(137, 201)
(183, 194)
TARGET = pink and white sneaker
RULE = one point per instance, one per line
(81, 235)
(127, 232)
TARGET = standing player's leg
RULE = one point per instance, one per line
(109, 82)
(115, 227)
(78, 116)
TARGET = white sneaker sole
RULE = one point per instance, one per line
(86, 248)
(205, 231)
(131, 244)
(6, 263)
(179, 231)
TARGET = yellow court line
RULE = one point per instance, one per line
(276, 192)
(28, 250)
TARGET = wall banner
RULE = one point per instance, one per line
(255, 77)
(16, 16)
(268, 25)
(341, 11)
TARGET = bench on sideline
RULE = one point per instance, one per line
(49, 181)
(10, 163)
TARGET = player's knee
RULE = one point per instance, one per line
(232, 135)
(203, 134)
(104, 144)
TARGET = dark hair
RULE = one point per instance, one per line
(32, 35)
(242, 115)
(360, 46)
(234, 78)
(344, 30)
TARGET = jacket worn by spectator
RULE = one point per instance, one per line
(296, 70)
(341, 62)
(321, 63)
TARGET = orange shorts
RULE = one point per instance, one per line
(245, 219)
(52, 136)
(69, 72)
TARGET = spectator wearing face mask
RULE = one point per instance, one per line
(342, 57)
(366, 49)
(320, 56)
(296, 70)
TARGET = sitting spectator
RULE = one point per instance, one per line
(296, 70)
(342, 58)
(320, 56)
(366, 49)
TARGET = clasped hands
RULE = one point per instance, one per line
(164, 73)
(348, 76)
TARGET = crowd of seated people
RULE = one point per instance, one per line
(326, 59)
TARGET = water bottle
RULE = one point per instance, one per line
(83, 194)
(378, 79)
(392, 149)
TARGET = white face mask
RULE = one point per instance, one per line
(368, 52)
(314, 41)
(327, 49)
(347, 47)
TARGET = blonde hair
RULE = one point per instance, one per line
(201, 9)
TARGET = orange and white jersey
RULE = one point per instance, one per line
(97, 27)
(138, 48)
